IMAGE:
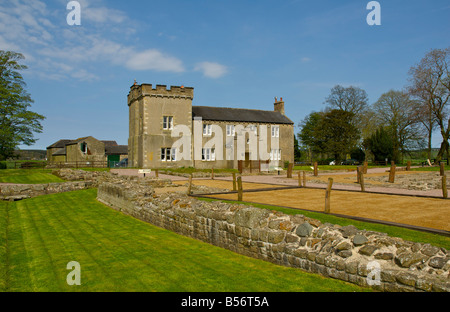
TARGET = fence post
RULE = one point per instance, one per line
(392, 173)
(234, 181)
(365, 165)
(239, 182)
(190, 185)
(157, 173)
(212, 173)
(358, 174)
(316, 169)
(441, 168)
(304, 178)
(408, 165)
(289, 172)
(444, 186)
(299, 179)
(328, 195)
(361, 181)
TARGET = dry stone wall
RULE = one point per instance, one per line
(366, 258)
(19, 192)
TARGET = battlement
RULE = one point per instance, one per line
(137, 91)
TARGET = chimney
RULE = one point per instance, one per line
(279, 106)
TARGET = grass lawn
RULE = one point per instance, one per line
(28, 176)
(190, 170)
(435, 168)
(327, 167)
(406, 234)
(40, 236)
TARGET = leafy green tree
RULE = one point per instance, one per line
(331, 132)
(297, 151)
(380, 144)
(17, 123)
(339, 134)
(309, 135)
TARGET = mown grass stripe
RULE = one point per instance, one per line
(69, 225)
(140, 257)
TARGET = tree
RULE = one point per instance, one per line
(331, 132)
(17, 123)
(380, 144)
(297, 151)
(338, 134)
(351, 99)
(430, 82)
(309, 133)
(397, 111)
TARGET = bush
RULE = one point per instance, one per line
(2, 165)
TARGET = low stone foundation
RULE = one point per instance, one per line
(366, 258)
(19, 192)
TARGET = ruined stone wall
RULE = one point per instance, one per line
(357, 256)
(20, 192)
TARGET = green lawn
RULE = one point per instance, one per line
(406, 234)
(435, 168)
(40, 236)
(28, 176)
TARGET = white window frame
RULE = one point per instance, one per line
(208, 154)
(275, 131)
(167, 122)
(275, 154)
(207, 130)
(231, 131)
(168, 154)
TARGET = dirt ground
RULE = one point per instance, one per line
(419, 211)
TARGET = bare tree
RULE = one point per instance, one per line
(397, 111)
(430, 81)
(351, 99)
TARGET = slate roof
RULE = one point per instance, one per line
(59, 144)
(239, 115)
(110, 143)
(116, 150)
(76, 141)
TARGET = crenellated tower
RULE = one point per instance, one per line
(153, 112)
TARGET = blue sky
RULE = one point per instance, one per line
(234, 53)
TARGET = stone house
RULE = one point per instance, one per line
(57, 151)
(166, 130)
(86, 149)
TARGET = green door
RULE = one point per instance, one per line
(113, 160)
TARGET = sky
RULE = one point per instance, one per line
(239, 54)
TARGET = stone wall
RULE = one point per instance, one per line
(19, 192)
(346, 253)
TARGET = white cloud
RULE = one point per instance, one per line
(211, 70)
(154, 60)
(57, 51)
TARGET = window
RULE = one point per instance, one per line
(167, 122)
(168, 154)
(207, 129)
(254, 129)
(230, 130)
(275, 154)
(84, 148)
(275, 131)
(208, 154)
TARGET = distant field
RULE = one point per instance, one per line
(28, 176)
(40, 236)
